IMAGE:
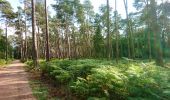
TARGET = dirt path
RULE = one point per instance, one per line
(14, 83)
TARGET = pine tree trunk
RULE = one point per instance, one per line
(6, 35)
(34, 39)
(108, 32)
(149, 32)
(25, 47)
(156, 30)
(128, 28)
(117, 33)
(47, 34)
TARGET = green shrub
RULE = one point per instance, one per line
(102, 80)
(29, 63)
(113, 82)
(2, 62)
(64, 71)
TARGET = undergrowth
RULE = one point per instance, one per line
(100, 79)
(4, 62)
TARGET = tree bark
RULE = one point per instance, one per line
(117, 33)
(148, 30)
(34, 39)
(108, 32)
(47, 34)
(6, 35)
(25, 47)
(156, 30)
(127, 29)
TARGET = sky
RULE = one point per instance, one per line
(96, 4)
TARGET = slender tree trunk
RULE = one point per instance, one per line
(47, 34)
(149, 32)
(68, 43)
(6, 35)
(132, 40)
(21, 47)
(108, 32)
(20, 35)
(74, 43)
(38, 41)
(128, 28)
(163, 31)
(26, 40)
(117, 33)
(157, 38)
(34, 39)
(58, 46)
(25, 51)
(44, 48)
(149, 45)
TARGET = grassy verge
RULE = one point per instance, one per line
(39, 90)
(41, 87)
(3, 62)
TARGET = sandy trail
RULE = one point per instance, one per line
(14, 83)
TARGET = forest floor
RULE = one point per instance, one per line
(14, 84)
(43, 88)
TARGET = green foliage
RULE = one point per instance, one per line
(98, 42)
(102, 80)
(65, 71)
(39, 90)
(2, 46)
(6, 10)
(30, 65)
(137, 81)
(2, 62)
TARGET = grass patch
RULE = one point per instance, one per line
(39, 90)
(41, 87)
(3, 62)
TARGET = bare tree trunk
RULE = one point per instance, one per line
(38, 42)
(157, 40)
(26, 57)
(128, 28)
(20, 35)
(108, 32)
(44, 48)
(25, 47)
(59, 51)
(132, 40)
(149, 46)
(148, 32)
(68, 43)
(21, 46)
(163, 32)
(47, 34)
(56, 45)
(63, 45)
(6, 35)
(117, 33)
(34, 39)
